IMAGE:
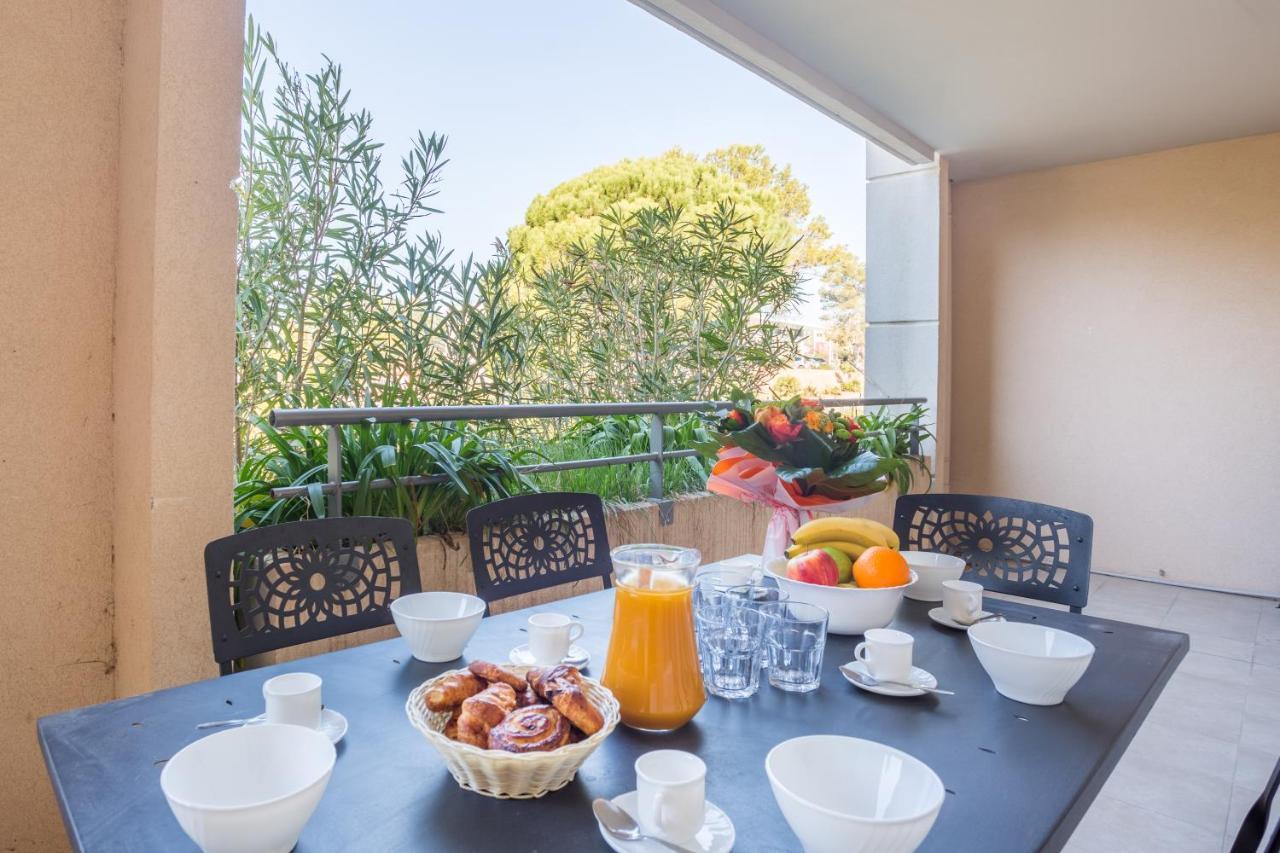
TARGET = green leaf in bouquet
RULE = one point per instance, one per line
(809, 450)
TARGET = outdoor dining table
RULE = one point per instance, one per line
(1018, 777)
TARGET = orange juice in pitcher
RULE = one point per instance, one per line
(652, 665)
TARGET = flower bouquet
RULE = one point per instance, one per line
(796, 456)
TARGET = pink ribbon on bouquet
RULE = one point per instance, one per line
(737, 474)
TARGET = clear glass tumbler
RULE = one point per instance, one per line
(734, 645)
(755, 596)
(795, 637)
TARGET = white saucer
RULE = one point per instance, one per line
(918, 676)
(940, 615)
(716, 835)
(578, 656)
(332, 724)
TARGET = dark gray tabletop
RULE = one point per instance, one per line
(1018, 777)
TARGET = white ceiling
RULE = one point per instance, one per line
(1005, 86)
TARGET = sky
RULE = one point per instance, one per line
(531, 94)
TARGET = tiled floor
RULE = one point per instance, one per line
(1210, 743)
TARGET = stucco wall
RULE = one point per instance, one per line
(1116, 337)
(59, 109)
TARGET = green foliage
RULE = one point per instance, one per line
(661, 305)
(654, 279)
(343, 297)
(478, 462)
(619, 436)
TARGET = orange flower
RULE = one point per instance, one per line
(814, 420)
(779, 426)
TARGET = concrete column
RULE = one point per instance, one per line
(908, 289)
(173, 367)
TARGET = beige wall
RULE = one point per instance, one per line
(59, 131)
(115, 220)
(1116, 342)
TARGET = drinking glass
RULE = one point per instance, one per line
(734, 644)
(709, 604)
(755, 596)
(795, 636)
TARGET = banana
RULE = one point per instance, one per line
(853, 550)
(859, 531)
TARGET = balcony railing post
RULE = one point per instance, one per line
(656, 486)
(335, 471)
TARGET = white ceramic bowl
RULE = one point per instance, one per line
(853, 610)
(933, 569)
(250, 789)
(1030, 663)
(848, 795)
(437, 625)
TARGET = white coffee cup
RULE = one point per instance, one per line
(293, 699)
(671, 788)
(887, 654)
(962, 600)
(550, 635)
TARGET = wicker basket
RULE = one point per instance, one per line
(503, 774)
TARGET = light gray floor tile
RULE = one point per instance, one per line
(1269, 623)
(1123, 590)
(1241, 800)
(1253, 767)
(1187, 706)
(1217, 672)
(1134, 614)
(1214, 620)
(1222, 647)
(1205, 598)
(1267, 653)
(1112, 825)
(1265, 677)
(1212, 739)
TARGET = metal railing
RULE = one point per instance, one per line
(335, 419)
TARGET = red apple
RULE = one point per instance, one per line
(816, 566)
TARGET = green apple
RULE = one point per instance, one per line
(843, 564)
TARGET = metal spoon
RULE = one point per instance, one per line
(248, 721)
(868, 681)
(988, 618)
(623, 827)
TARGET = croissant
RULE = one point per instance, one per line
(492, 672)
(562, 687)
(536, 728)
(451, 727)
(527, 697)
(448, 692)
(484, 711)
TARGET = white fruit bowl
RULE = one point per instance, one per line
(848, 795)
(854, 610)
(934, 569)
(437, 625)
(1030, 663)
(248, 790)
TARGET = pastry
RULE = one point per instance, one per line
(536, 728)
(449, 692)
(562, 687)
(483, 711)
(451, 726)
(527, 697)
(492, 672)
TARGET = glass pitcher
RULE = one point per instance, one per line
(652, 665)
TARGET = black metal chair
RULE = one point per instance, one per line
(1254, 827)
(533, 542)
(292, 583)
(1016, 547)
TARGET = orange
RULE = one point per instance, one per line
(879, 566)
